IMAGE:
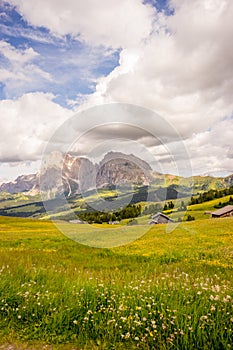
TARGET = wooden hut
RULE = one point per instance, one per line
(223, 212)
(160, 218)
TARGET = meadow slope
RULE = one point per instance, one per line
(163, 291)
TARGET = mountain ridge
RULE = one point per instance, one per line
(74, 175)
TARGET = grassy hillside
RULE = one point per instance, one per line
(163, 291)
(198, 210)
(163, 187)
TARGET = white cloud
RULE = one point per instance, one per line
(15, 55)
(27, 124)
(107, 22)
(179, 66)
(19, 71)
(184, 73)
(211, 151)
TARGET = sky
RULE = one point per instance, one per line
(175, 58)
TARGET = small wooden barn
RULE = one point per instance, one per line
(160, 218)
(223, 212)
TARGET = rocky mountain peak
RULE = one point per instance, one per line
(73, 175)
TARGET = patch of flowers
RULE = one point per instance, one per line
(173, 309)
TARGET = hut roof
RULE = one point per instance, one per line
(155, 216)
(224, 210)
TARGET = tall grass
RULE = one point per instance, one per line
(164, 291)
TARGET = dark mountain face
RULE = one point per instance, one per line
(118, 169)
(74, 175)
(78, 174)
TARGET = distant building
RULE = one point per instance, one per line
(160, 218)
(223, 212)
(77, 222)
(114, 222)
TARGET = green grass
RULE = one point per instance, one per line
(198, 210)
(163, 291)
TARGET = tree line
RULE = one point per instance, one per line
(223, 204)
(210, 195)
(98, 217)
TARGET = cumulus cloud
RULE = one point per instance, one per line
(27, 124)
(107, 22)
(184, 72)
(179, 65)
(187, 78)
(211, 151)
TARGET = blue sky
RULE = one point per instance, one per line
(173, 57)
(74, 66)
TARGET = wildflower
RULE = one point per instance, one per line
(75, 322)
(204, 317)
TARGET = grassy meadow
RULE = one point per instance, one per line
(162, 291)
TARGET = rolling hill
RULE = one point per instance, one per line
(118, 179)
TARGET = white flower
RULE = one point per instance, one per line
(204, 317)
